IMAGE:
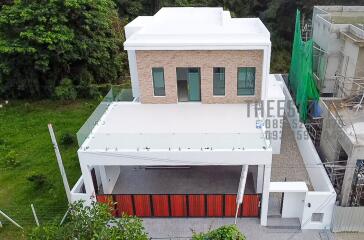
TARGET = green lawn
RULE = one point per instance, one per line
(23, 129)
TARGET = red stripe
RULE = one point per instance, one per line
(107, 199)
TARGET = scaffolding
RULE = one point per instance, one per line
(357, 196)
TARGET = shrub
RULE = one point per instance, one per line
(95, 222)
(67, 139)
(66, 90)
(10, 159)
(230, 232)
(39, 180)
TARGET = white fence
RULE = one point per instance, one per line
(348, 219)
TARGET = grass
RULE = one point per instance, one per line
(24, 133)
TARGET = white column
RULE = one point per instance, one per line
(265, 196)
(87, 179)
(260, 176)
(104, 180)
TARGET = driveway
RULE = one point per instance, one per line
(181, 228)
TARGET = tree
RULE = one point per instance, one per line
(95, 222)
(43, 42)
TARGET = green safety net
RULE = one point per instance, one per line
(300, 79)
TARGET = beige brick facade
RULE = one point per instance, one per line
(205, 60)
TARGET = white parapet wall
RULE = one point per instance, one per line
(319, 204)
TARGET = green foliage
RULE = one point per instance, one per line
(10, 159)
(67, 139)
(43, 42)
(66, 90)
(230, 232)
(95, 222)
(39, 180)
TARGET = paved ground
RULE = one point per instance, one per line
(289, 164)
(182, 229)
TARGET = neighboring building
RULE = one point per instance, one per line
(178, 148)
(338, 35)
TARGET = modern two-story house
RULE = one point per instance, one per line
(196, 118)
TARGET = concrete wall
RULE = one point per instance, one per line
(205, 60)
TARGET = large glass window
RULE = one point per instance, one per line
(246, 81)
(158, 82)
(219, 81)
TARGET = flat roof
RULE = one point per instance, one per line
(134, 126)
(288, 187)
(193, 28)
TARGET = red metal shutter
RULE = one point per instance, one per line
(251, 206)
(124, 204)
(215, 205)
(230, 205)
(142, 206)
(196, 205)
(160, 205)
(178, 206)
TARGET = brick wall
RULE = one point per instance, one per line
(205, 60)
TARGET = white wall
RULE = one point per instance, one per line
(133, 73)
(109, 176)
(318, 202)
(322, 200)
(293, 203)
(311, 159)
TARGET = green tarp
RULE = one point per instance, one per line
(300, 79)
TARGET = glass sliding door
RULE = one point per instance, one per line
(194, 84)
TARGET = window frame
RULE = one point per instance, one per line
(213, 82)
(153, 82)
(246, 76)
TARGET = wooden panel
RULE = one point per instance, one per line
(178, 206)
(124, 204)
(142, 206)
(250, 206)
(160, 205)
(196, 206)
(215, 205)
(230, 205)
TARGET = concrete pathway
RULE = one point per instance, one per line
(181, 228)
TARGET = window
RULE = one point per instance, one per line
(219, 81)
(158, 82)
(246, 81)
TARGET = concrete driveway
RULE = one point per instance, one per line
(181, 228)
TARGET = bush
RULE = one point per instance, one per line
(67, 139)
(39, 180)
(10, 159)
(230, 232)
(95, 222)
(66, 90)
